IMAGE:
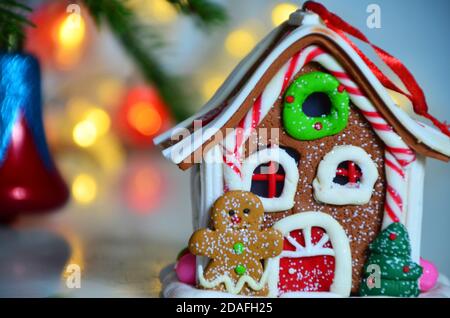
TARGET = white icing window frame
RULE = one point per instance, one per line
(329, 192)
(244, 182)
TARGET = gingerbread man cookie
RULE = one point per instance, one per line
(236, 245)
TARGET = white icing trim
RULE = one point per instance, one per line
(211, 175)
(326, 191)
(286, 200)
(414, 209)
(230, 286)
(342, 282)
(196, 195)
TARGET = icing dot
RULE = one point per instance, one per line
(238, 248)
(240, 270)
(392, 236)
(292, 271)
(290, 99)
(406, 269)
(318, 126)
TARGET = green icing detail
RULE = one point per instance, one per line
(392, 257)
(240, 270)
(238, 248)
(298, 124)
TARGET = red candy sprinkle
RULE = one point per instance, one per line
(290, 99)
(406, 269)
(392, 236)
(341, 88)
(318, 126)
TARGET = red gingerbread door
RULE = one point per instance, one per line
(316, 257)
(307, 262)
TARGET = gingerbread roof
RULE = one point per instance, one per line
(236, 96)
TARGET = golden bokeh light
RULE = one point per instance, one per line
(110, 91)
(144, 118)
(158, 10)
(211, 85)
(72, 32)
(281, 12)
(240, 42)
(100, 119)
(85, 133)
(84, 189)
(70, 38)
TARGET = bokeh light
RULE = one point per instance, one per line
(100, 119)
(281, 12)
(84, 189)
(211, 85)
(158, 10)
(143, 187)
(144, 118)
(85, 133)
(72, 31)
(240, 42)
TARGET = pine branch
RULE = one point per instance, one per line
(206, 12)
(140, 42)
(13, 21)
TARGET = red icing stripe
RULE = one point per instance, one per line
(353, 90)
(341, 75)
(394, 167)
(290, 71)
(313, 54)
(371, 114)
(256, 112)
(405, 151)
(395, 196)
(383, 127)
(391, 213)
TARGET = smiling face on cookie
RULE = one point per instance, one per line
(237, 210)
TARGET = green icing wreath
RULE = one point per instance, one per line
(302, 127)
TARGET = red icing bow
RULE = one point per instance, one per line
(414, 94)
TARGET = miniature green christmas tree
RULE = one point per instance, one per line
(390, 263)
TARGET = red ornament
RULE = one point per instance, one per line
(341, 88)
(26, 184)
(318, 126)
(392, 236)
(142, 116)
(290, 99)
(29, 180)
(406, 269)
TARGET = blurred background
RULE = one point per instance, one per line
(106, 95)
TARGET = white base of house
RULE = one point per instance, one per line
(172, 288)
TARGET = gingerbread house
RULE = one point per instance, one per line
(304, 123)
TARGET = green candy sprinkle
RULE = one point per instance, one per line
(240, 270)
(238, 248)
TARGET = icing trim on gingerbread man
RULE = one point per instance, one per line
(327, 191)
(244, 182)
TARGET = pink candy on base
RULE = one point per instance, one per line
(429, 277)
(185, 269)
